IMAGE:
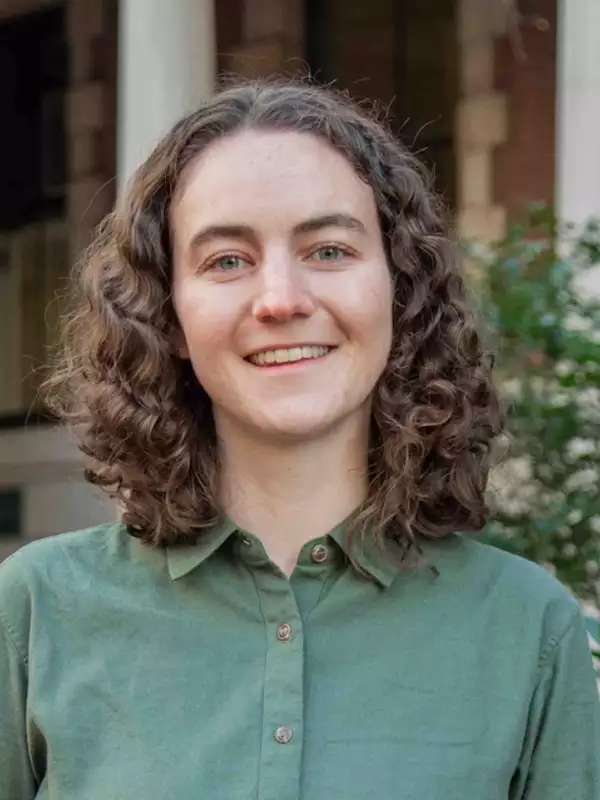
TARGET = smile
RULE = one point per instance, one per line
(287, 355)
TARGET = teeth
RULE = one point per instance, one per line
(287, 355)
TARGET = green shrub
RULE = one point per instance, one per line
(544, 327)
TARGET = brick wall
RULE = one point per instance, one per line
(259, 37)
(34, 264)
(525, 73)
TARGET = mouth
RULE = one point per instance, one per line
(282, 356)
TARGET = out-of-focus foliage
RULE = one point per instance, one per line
(544, 325)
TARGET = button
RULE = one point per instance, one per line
(284, 632)
(319, 553)
(283, 734)
(246, 540)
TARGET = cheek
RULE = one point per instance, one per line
(206, 329)
(372, 313)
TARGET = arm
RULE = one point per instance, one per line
(16, 777)
(561, 754)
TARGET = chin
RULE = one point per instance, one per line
(292, 429)
(299, 427)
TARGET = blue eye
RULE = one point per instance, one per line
(331, 252)
(226, 263)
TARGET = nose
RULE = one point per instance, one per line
(282, 294)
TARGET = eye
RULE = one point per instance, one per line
(226, 263)
(330, 253)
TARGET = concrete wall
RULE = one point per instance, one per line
(44, 464)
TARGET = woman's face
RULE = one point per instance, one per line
(280, 284)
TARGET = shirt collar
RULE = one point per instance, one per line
(182, 559)
(376, 561)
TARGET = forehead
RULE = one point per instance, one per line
(281, 174)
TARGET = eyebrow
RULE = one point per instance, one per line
(336, 220)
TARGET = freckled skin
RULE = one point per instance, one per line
(236, 294)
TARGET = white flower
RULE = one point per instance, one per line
(565, 367)
(589, 396)
(515, 506)
(574, 516)
(594, 523)
(514, 490)
(575, 322)
(578, 447)
(559, 400)
(513, 388)
(588, 403)
(591, 567)
(590, 609)
(521, 468)
(584, 480)
(569, 550)
(587, 284)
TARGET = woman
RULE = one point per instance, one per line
(273, 366)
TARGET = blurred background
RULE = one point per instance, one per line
(500, 97)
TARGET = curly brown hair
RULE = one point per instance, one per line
(146, 423)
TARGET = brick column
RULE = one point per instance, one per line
(481, 119)
(505, 129)
(260, 37)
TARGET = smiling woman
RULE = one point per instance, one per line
(273, 365)
(280, 296)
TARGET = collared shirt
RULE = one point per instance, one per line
(128, 671)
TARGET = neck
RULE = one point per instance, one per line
(288, 493)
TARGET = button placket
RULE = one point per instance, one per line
(283, 711)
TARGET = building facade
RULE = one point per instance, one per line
(500, 97)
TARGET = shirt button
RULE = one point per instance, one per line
(319, 553)
(283, 734)
(284, 632)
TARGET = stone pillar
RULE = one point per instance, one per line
(167, 66)
(578, 110)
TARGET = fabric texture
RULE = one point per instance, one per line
(203, 671)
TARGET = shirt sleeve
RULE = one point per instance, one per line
(16, 777)
(561, 755)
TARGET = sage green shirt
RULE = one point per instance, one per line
(204, 672)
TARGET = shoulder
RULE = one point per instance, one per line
(58, 553)
(512, 589)
(53, 565)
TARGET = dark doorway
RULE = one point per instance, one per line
(33, 65)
